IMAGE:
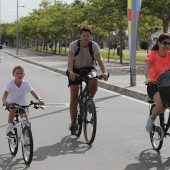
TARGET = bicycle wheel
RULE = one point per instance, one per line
(165, 120)
(90, 122)
(157, 135)
(27, 145)
(13, 142)
(79, 120)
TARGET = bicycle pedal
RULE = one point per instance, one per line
(167, 134)
(10, 137)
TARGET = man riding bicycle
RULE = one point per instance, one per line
(83, 60)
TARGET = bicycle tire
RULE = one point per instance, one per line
(79, 120)
(27, 149)
(157, 135)
(165, 122)
(90, 122)
(13, 142)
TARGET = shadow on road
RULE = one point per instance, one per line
(9, 162)
(149, 159)
(68, 145)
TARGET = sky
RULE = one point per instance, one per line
(8, 9)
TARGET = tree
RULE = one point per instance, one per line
(159, 9)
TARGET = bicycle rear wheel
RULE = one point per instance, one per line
(157, 135)
(27, 145)
(90, 122)
(13, 142)
(79, 120)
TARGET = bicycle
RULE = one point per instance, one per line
(160, 127)
(86, 116)
(22, 132)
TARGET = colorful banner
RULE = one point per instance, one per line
(138, 6)
(129, 13)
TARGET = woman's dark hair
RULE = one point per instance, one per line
(160, 39)
(87, 29)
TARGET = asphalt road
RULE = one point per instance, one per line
(120, 144)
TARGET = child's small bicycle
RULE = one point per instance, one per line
(22, 132)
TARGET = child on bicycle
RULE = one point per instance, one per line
(16, 91)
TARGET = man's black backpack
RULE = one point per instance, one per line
(90, 50)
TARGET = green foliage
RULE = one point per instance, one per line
(58, 21)
(159, 9)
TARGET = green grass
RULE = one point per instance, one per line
(125, 56)
(113, 55)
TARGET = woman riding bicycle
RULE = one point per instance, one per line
(16, 91)
(157, 61)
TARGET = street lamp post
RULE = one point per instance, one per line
(17, 27)
(0, 31)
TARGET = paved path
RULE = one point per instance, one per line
(119, 80)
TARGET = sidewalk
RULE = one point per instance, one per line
(119, 80)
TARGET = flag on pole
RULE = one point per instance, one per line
(129, 13)
(138, 6)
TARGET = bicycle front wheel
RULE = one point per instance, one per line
(90, 122)
(27, 145)
(79, 120)
(157, 135)
(13, 142)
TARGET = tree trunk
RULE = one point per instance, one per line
(165, 26)
(108, 48)
(121, 44)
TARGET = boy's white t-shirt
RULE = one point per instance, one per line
(16, 94)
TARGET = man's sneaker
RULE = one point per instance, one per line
(9, 130)
(73, 128)
(149, 125)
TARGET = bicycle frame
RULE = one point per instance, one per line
(84, 91)
(20, 124)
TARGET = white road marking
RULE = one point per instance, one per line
(56, 105)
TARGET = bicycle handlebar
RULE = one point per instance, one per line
(89, 77)
(36, 105)
(100, 77)
(151, 83)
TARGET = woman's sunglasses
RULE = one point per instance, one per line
(165, 43)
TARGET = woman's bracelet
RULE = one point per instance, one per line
(147, 79)
(39, 99)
